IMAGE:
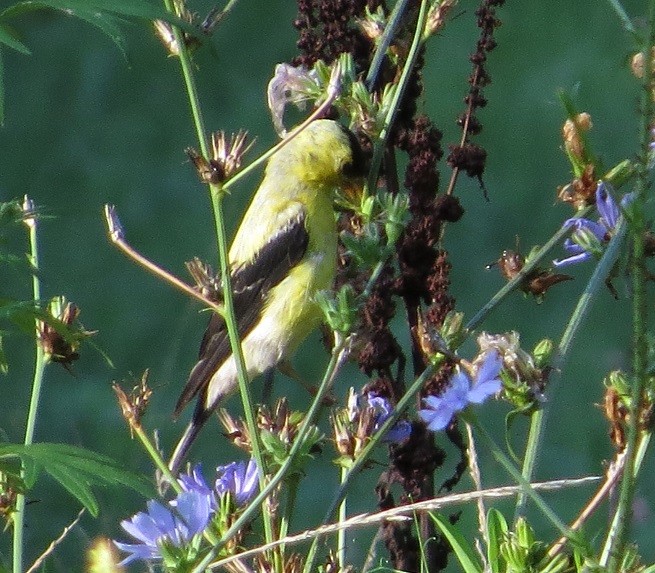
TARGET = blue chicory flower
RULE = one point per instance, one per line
(400, 431)
(239, 479)
(159, 526)
(462, 392)
(589, 237)
(195, 481)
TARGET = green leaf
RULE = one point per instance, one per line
(464, 551)
(106, 15)
(91, 10)
(496, 533)
(21, 313)
(8, 38)
(77, 470)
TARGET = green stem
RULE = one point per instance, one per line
(608, 548)
(216, 195)
(639, 306)
(341, 535)
(522, 481)
(380, 143)
(623, 16)
(337, 359)
(596, 282)
(289, 506)
(365, 454)
(37, 383)
(383, 44)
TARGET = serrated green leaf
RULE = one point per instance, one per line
(21, 313)
(464, 551)
(106, 15)
(8, 38)
(9, 307)
(120, 9)
(496, 531)
(77, 487)
(77, 470)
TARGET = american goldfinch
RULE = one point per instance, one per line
(283, 253)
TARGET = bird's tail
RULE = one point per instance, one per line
(200, 416)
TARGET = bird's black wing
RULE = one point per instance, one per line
(251, 283)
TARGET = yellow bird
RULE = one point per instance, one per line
(283, 253)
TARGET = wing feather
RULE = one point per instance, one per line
(251, 283)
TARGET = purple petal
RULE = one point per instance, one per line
(225, 480)
(148, 527)
(627, 199)
(194, 509)
(399, 432)
(194, 481)
(455, 395)
(437, 419)
(490, 368)
(141, 527)
(598, 230)
(572, 247)
(480, 392)
(249, 483)
(606, 206)
(144, 552)
(380, 404)
(575, 259)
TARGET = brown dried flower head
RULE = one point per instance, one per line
(437, 16)
(207, 282)
(60, 336)
(293, 563)
(134, 405)
(164, 31)
(8, 496)
(637, 63)
(582, 190)
(226, 157)
(571, 134)
(282, 422)
(236, 430)
(616, 413)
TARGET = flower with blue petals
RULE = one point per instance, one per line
(159, 529)
(194, 481)
(589, 238)
(399, 432)
(463, 390)
(239, 479)
(166, 534)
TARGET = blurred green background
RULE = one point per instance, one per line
(85, 127)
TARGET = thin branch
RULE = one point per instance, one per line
(404, 513)
(474, 470)
(55, 542)
(613, 474)
(117, 237)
